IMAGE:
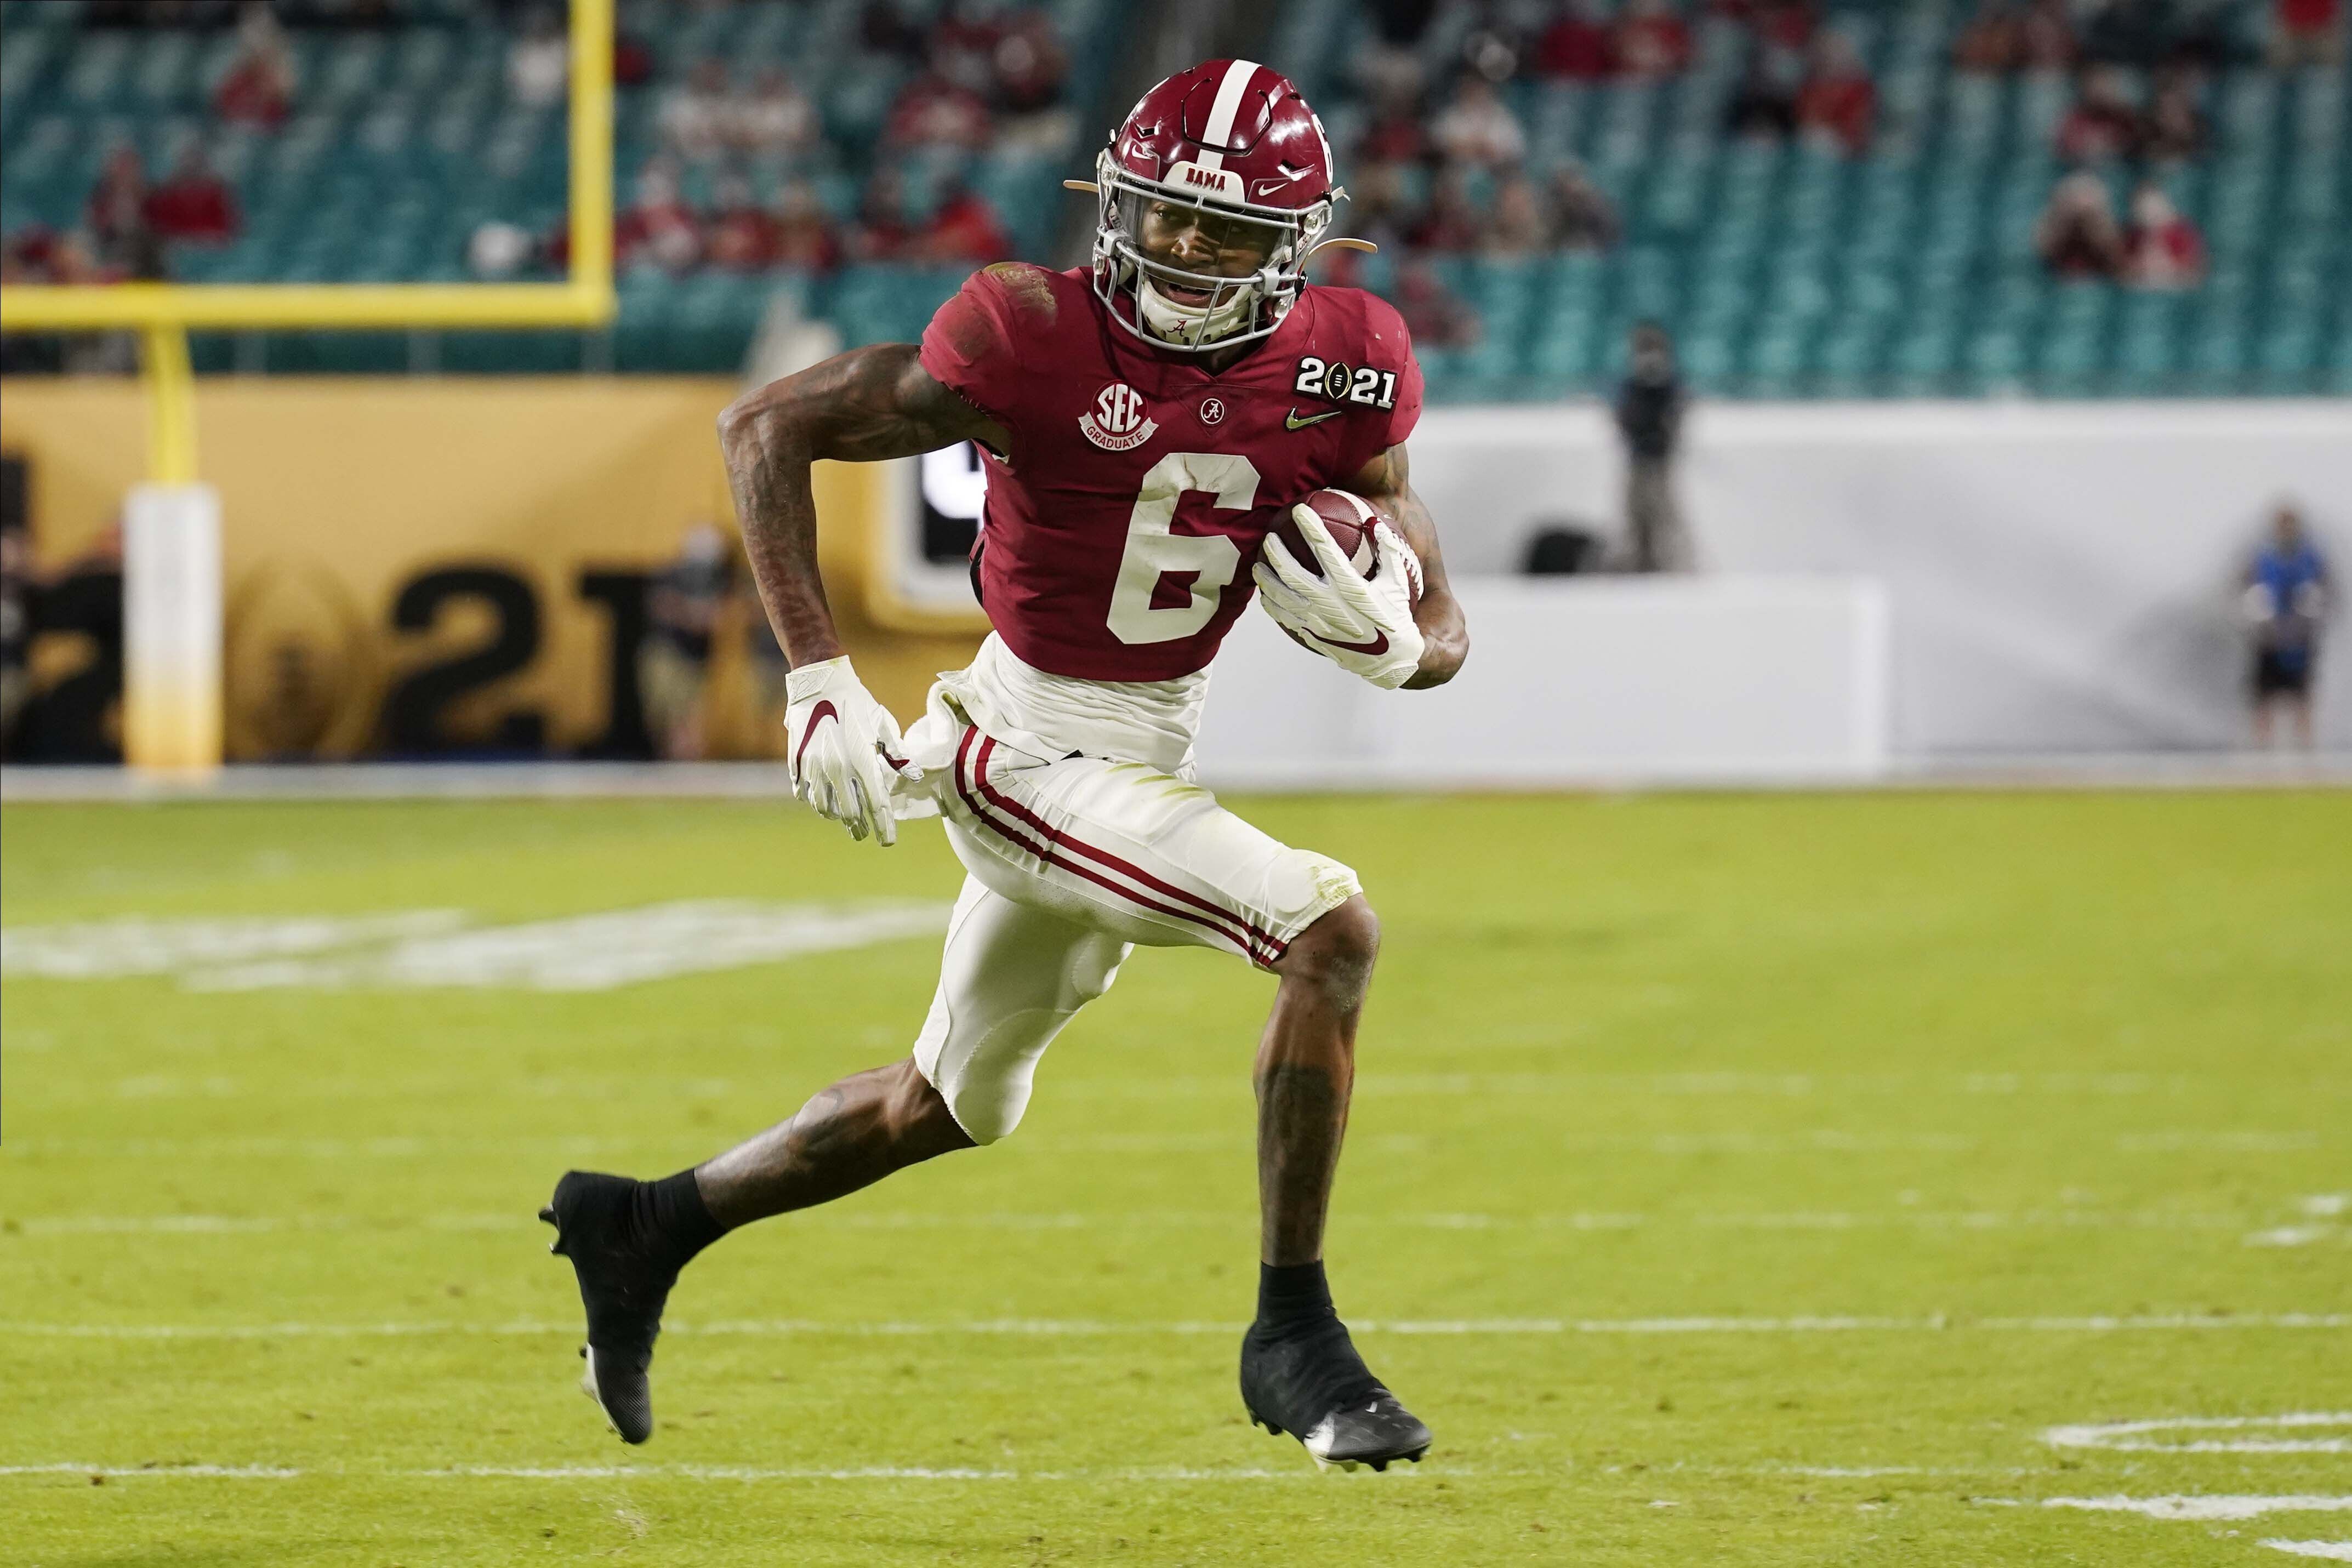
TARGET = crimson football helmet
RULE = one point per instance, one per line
(1232, 140)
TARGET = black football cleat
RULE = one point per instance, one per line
(1316, 1387)
(622, 1286)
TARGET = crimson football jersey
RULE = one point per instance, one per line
(1120, 530)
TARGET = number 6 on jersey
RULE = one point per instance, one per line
(1154, 553)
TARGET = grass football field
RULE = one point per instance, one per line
(1901, 1179)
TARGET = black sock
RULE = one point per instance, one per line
(671, 1214)
(1293, 1296)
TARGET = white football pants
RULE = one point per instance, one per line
(1071, 862)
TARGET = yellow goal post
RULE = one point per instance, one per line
(171, 621)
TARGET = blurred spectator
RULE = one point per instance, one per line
(1450, 222)
(1516, 225)
(776, 119)
(2047, 37)
(804, 232)
(194, 203)
(2176, 126)
(2102, 124)
(1838, 104)
(1493, 45)
(962, 45)
(2077, 236)
(1786, 24)
(674, 660)
(539, 62)
(116, 218)
(2116, 32)
(1579, 46)
(1377, 209)
(25, 258)
(1584, 217)
(1028, 64)
(696, 116)
(742, 236)
(259, 87)
(2287, 587)
(1433, 316)
(1389, 74)
(934, 110)
(1402, 23)
(1394, 133)
(1765, 106)
(658, 229)
(1650, 418)
(1993, 41)
(883, 232)
(497, 249)
(1478, 128)
(2306, 33)
(2164, 249)
(1652, 40)
(884, 29)
(963, 230)
(632, 59)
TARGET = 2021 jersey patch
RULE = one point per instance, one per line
(1342, 382)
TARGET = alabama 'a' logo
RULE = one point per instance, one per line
(1116, 421)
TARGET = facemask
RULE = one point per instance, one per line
(1179, 323)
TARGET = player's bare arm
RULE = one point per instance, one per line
(1387, 483)
(861, 406)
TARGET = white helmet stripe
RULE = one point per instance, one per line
(1221, 113)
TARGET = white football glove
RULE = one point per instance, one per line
(1360, 624)
(843, 747)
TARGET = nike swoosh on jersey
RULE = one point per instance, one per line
(1292, 422)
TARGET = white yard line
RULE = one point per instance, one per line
(2159, 1436)
(1049, 1328)
(1171, 1219)
(1822, 1141)
(2330, 1551)
(2203, 1505)
(205, 1473)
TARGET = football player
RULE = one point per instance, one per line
(1148, 421)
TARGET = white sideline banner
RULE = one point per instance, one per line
(2062, 577)
(1577, 680)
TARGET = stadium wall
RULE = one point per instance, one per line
(2062, 578)
(418, 566)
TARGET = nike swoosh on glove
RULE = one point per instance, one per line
(1361, 625)
(843, 747)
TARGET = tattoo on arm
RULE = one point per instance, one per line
(860, 407)
(1387, 483)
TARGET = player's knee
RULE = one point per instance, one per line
(1337, 952)
(922, 1119)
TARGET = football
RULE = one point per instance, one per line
(1351, 519)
